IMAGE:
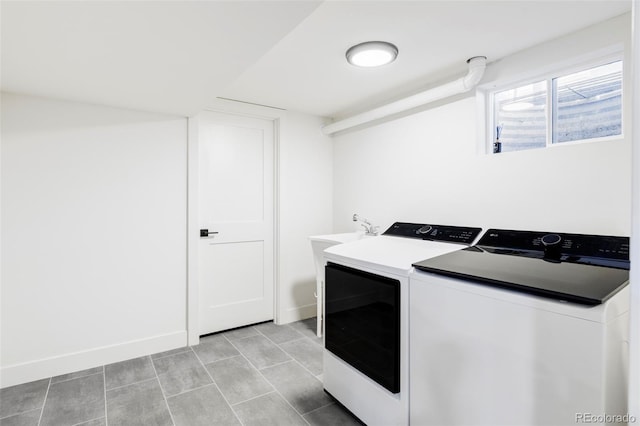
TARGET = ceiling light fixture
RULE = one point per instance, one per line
(372, 54)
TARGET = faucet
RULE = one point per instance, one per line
(369, 228)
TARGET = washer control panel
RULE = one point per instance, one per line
(580, 248)
(421, 231)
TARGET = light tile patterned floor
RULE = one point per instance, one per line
(259, 375)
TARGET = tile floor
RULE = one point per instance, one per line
(259, 375)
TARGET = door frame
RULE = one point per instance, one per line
(278, 117)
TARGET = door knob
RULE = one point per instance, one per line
(206, 232)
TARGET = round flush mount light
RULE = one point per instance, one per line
(372, 54)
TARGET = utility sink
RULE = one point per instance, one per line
(338, 238)
(319, 243)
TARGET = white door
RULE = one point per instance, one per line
(236, 180)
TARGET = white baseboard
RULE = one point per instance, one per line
(296, 314)
(16, 374)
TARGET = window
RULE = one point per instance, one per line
(576, 106)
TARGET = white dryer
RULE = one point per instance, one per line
(525, 328)
(366, 358)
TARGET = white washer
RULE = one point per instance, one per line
(387, 257)
(498, 338)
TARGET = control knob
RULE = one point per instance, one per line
(550, 240)
(424, 230)
(551, 243)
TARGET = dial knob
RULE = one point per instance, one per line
(425, 229)
(550, 240)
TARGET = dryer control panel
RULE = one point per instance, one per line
(423, 231)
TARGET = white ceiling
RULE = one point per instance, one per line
(178, 56)
(167, 56)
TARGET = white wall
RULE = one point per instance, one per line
(305, 209)
(426, 167)
(94, 231)
(634, 346)
(93, 236)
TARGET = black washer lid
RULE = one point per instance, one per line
(579, 268)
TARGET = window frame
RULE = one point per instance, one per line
(485, 94)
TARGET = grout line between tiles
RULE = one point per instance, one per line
(319, 408)
(90, 420)
(218, 387)
(187, 348)
(302, 365)
(291, 341)
(190, 390)
(278, 344)
(267, 380)
(44, 402)
(74, 378)
(221, 359)
(275, 365)
(308, 371)
(162, 391)
(223, 333)
(104, 380)
(255, 397)
(19, 413)
(130, 384)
